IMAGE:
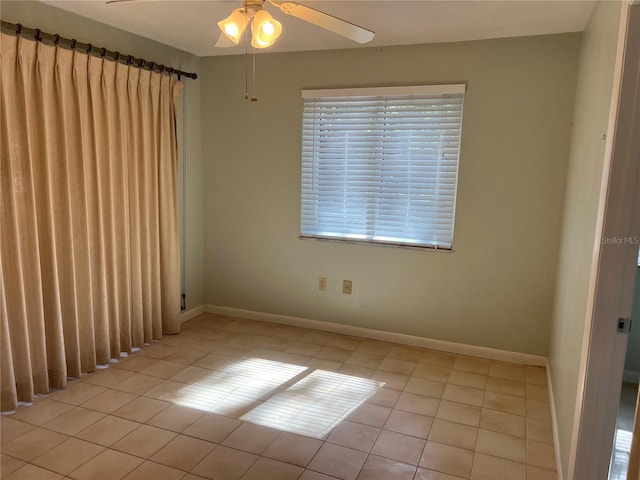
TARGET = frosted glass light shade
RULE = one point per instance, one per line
(265, 30)
(234, 25)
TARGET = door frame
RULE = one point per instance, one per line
(613, 280)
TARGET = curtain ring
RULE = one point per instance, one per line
(103, 52)
(74, 43)
(18, 28)
(56, 40)
(89, 48)
(152, 66)
(116, 56)
(130, 60)
(38, 35)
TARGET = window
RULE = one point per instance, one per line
(380, 165)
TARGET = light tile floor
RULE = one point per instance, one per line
(231, 399)
(624, 432)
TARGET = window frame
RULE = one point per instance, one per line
(458, 89)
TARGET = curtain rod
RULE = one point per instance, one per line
(40, 36)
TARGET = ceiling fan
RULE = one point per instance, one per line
(265, 30)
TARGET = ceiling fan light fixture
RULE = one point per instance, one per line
(234, 25)
(265, 30)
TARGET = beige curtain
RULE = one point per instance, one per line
(89, 255)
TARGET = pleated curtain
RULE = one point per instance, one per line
(89, 254)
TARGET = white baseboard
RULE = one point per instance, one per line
(189, 314)
(631, 376)
(451, 347)
(554, 423)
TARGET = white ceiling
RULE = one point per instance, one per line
(191, 25)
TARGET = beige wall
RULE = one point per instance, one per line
(575, 268)
(53, 20)
(496, 290)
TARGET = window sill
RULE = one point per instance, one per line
(378, 244)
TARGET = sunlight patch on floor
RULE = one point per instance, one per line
(620, 458)
(314, 405)
(279, 395)
(624, 432)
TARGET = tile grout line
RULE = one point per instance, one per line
(391, 406)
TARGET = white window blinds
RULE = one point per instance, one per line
(381, 165)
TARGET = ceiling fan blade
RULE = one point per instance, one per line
(224, 42)
(326, 21)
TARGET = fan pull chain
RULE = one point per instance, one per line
(246, 57)
(246, 66)
(246, 77)
(253, 98)
(253, 65)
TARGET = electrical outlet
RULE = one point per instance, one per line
(346, 287)
(322, 284)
